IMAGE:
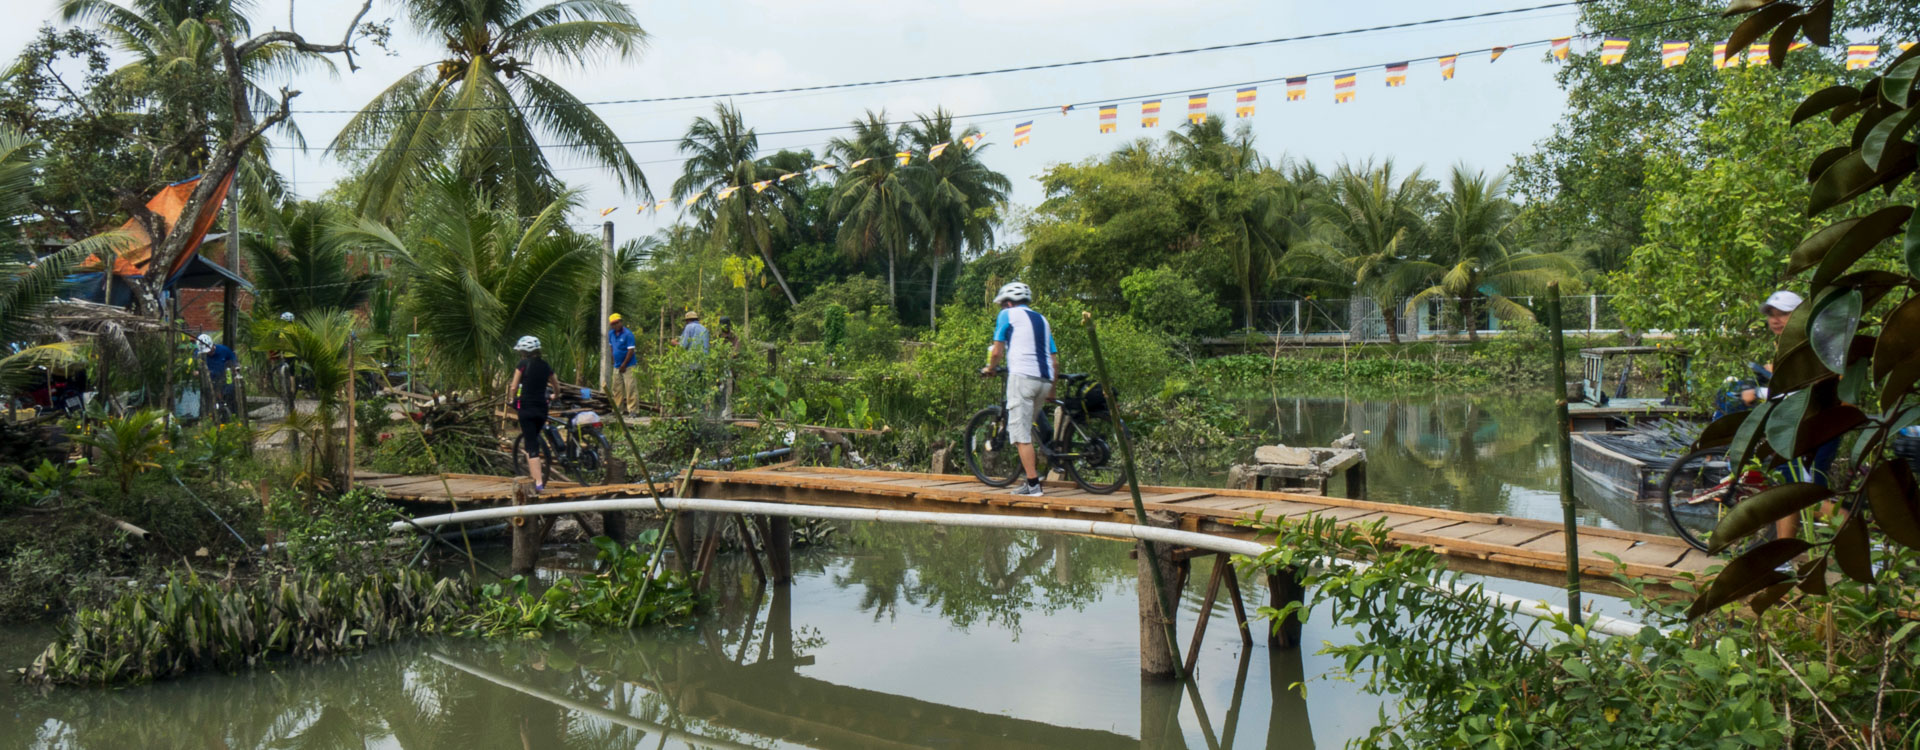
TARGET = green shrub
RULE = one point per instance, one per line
(807, 321)
(1164, 300)
(344, 532)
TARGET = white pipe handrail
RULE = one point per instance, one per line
(1519, 605)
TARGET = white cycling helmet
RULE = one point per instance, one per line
(287, 317)
(1014, 291)
(204, 342)
(527, 344)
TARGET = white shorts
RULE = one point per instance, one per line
(1023, 402)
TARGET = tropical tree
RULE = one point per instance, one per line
(957, 193)
(484, 109)
(28, 283)
(1366, 230)
(477, 277)
(876, 206)
(1252, 210)
(1474, 258)
(318, 341)
(299, 264)
(721, 158)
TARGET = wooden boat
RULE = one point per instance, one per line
(1622, 444)
(1593, 409)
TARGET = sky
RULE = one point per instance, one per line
(1482, 118)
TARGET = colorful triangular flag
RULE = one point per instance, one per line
(1758, 55)
(973, 140)
(1497, 52)
(605, 211)
(1109, 118)
(1862, 55)
(1197, 108)
(790, 175)
(1561, 46)
(1022, 134)
(692, 199)
(904, 156)
(1296, 88)
(761, 186)
(937, 150)
(856, 165)
(1613, 49)
(1396, 74)
(1720, 61)
(1673, 53)
(1343, 88)
(1446, 66)
(1150, 113)
(1243, 101)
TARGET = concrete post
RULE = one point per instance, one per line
(606, 307)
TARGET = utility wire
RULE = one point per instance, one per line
(1019, 68)
(1018, 111)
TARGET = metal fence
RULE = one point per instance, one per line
(1360, 319)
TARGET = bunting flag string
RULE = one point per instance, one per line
(1757, 55)
(1243, 101)
(1561, 46)
(726, 192)
(856, 165)
(605, 211)
(790, 175)
(973, 140)
(1720, 61)
(1862, 55)
(1673, 53)
(1343, 88)
(819, 167)
(761, 186)
(1497, 52)
(695, 198)
(1022, 134)
(904, 156)
(1396, 74)
(1446, 66)
(1296, 88)
(937, 150)
(1197, 108)
(1150, 113)
(1109, 118)
(1613, 49)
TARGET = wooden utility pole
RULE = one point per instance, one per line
(352, 377)
(230, 295)
(606, 307)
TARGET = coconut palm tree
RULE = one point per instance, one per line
(1366, 231)
(483, 110)
(1475, 259)
(721, 155)
(477, 277)
(873, 202)
(957, 192)
(1251, 209)
(318, 342)
(300, 265)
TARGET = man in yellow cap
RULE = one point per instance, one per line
(625, 355)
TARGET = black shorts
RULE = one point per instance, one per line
(532, 421)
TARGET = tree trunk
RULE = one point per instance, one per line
(1246, 301)
(1392, 317)
(766, 254)
(1466, 319)
(891, 301)
(933, 298)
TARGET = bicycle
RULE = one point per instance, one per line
(1084, 446)
(575, 444)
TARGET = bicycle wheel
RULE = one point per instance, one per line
(990, 454)
(594, 452)
(1094, 443)
(1700, 488)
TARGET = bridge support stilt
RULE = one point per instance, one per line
(1156, 656)
(777, 533)
(684, 532)
(614, 522)
(529, 532)
(1283, 586)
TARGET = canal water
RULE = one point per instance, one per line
(890, 637)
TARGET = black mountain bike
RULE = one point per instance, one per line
(1086, 444)
(580, 451)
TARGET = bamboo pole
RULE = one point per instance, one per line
(1133, 487)
(352, 378)
(1564, 447)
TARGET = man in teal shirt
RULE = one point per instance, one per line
(625, 354)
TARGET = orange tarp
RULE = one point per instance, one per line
(168, 203)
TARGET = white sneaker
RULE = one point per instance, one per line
(1029, 489)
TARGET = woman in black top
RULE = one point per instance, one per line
(532, 381)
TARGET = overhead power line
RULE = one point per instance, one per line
(1021, 111)
(1014, 69)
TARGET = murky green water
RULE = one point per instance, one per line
(895, 637)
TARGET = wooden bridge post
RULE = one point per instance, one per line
(1283, 586)
(529, 532)
(1156, 658)
(614, 522)
(779, 541)
(683, 532)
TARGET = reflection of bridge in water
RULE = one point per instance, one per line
(731, 701)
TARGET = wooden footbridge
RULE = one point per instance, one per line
(1493, 545)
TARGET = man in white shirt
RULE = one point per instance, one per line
(1025, 339)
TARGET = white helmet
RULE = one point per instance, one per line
(286, 316)
(204, 342)
(1014, 291)
(527, 344)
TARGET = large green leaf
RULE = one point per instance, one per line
(1897, 85)
(1760, 511)
(1823, 100)
(1747, 436)
(1757, 24)
(1815, 247)
(1913, 248)
(1722, 430)
(1871, 230)
(1901, 379)
(1889, 129)
(1850, 549)
(1824, 161)
(1748, 573)
(1896, 511)
(1784, 423)
(1899, 338)
(1782, 41)
(1797, 368)
(1836, 317)
(1826, 421)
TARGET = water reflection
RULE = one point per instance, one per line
(910, 637)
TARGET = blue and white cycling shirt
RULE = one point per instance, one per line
(1029, 340)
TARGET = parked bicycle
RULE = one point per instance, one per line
(1085, 446)
(576, 445)
(1701, 488)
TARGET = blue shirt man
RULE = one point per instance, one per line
(1024, 338)
(694, 336)
(621, 344)
(219, 358)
